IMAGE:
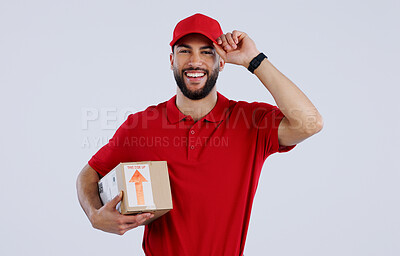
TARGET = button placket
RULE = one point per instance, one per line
(192, 148)
(191, 138)
(189, 144)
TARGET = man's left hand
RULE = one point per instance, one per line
(236, 48)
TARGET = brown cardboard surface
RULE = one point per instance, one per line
(160, 188)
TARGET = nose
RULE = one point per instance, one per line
(195, 60)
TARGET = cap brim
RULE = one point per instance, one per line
(191, 32)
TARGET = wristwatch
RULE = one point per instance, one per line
(254, 63)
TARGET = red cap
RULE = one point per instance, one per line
(197, 23)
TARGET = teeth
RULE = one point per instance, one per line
(194, 74)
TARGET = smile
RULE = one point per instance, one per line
(194, 74)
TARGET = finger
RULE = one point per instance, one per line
(235, 36)
(143, 217)
(113, 203)
(221, 52)
(241, 35)
(230, 40)
(129, 226)
(137, 219)
(224, 43)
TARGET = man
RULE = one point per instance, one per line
(215, 148)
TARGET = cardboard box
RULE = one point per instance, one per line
(145, 187)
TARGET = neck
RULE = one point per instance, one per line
(197, 109)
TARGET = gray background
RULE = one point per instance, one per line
(335, 194)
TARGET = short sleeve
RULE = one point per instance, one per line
(114, 152)
(267, 119)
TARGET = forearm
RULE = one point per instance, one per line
(302, 119)
(294, 104)
(87, 189)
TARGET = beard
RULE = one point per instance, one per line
(199, 93)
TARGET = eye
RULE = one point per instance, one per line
(208, 52)
(183, 51)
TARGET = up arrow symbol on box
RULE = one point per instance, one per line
(138, 178)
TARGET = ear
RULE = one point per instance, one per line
(171, 59)
(221, 64)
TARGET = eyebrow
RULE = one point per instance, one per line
(201, 48)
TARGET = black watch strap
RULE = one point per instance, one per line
(254, 63)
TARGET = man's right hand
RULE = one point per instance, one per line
(108, 219)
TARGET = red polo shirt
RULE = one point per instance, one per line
(214, 166)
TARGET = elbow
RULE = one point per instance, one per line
(314, 126)
(320, 124)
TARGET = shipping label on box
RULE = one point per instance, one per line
(108, 189)
(138, 186)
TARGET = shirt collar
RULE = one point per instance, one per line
(217, 114)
